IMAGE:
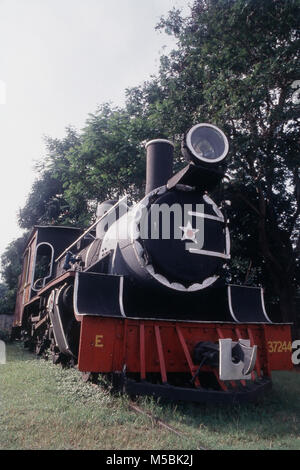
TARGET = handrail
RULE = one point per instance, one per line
(90, 228)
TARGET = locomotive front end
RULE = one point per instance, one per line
(176, 236)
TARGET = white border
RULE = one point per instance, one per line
(206, 216)
(230, 304)
(191, 149)
(263, 304)
(75, 299)
(57, 295)
(218, 322)
(159, 141)
(121, 296)
(196, 251)
(88, 252)
(134, 236)
(75, 293)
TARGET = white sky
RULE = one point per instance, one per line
(59, 59)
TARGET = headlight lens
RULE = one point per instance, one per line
(207, 142)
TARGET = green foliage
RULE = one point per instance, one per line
(39, 397)
(3, 299)
(11, 267)
(46, 203)
(108, 163)
(234, 66)
(5, 335)
(42, 206)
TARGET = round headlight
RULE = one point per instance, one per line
(207, 143)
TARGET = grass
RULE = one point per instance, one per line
(43, 406)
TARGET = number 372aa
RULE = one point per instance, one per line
(286, 346)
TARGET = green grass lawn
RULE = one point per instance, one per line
(43, 406)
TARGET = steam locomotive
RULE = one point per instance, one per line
(142, 295)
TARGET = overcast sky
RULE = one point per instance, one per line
(59, 59)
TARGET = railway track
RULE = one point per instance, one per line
(161, 423)
(92, 378)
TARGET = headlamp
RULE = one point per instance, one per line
(206, 143)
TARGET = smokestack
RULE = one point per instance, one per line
(159, 167)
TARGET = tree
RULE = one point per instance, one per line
(4, 308)
(108, 163)
(11, 267)
(235, 66)
(46, 203)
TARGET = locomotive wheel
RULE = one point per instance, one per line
(39, 348)
(42, 345)
(118, 382)
(60, 358)
(65, 361)
(57, 356)
(90, 377)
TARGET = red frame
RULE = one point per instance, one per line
(144, 346)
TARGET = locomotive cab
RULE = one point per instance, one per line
(44, 244)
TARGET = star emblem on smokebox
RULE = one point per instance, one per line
(189, 233)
